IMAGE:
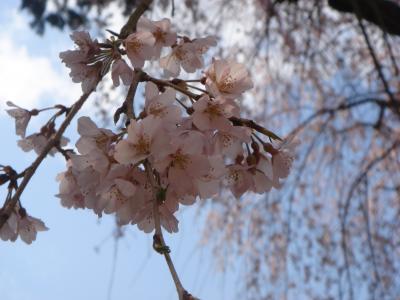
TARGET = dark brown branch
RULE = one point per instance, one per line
(378, 66)
(130, 25)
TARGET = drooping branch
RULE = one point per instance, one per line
(30, 171)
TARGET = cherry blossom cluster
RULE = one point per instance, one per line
(19, 223)
(188, 143)
(36, 141)
(173, 152)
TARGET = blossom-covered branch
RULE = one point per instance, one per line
(188, 144)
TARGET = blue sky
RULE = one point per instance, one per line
(62, 263)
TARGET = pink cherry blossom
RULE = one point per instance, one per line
(209, 185)
(37, 142)
(282, 159)
(89, 180)
(239, 179)
(28, 228)
(9, 231)
(139, 47)
(261, 183)
(162, 155)
(121, 70)
(227, 78)
(69, 191)
(181, 199)
(93, 137)
(184, 162)
(188, 54)
(203, 44)
(117, 199)
(167, 219)
(86, 45)
(21, 116)
(141, 141)
(87, 49)
(22, 225)
(230, 142)
(161, 106)
(212, 114)
(96, 159)
(82, 62)
(161, 31)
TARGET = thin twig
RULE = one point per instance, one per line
(253, 125)
(161, 82)
(172, 8)
(365, 210)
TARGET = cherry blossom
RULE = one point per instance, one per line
(166, 156)
(212, 114)
(184, 163)
(186, 54)
(117, 199)
(139, 47)
(166, 210)
(22, 225)
(92, 137)
(227, 78)
(282, 158)
(209, 185)
(239, 179)
(230, 142)
(21, 116)
(144, 138)
(121, 70)
(28, 228)
(70, 193)
(201, 45)
(161, 31)
(262, 176)
(37, 142)
(9, 231)
(82, 62)
(161, 106)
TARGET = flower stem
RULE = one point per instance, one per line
(159, 235)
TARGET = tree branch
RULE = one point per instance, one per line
(30, 171)
(130, 25)
(158, 235)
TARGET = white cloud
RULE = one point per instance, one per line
(26, 79)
